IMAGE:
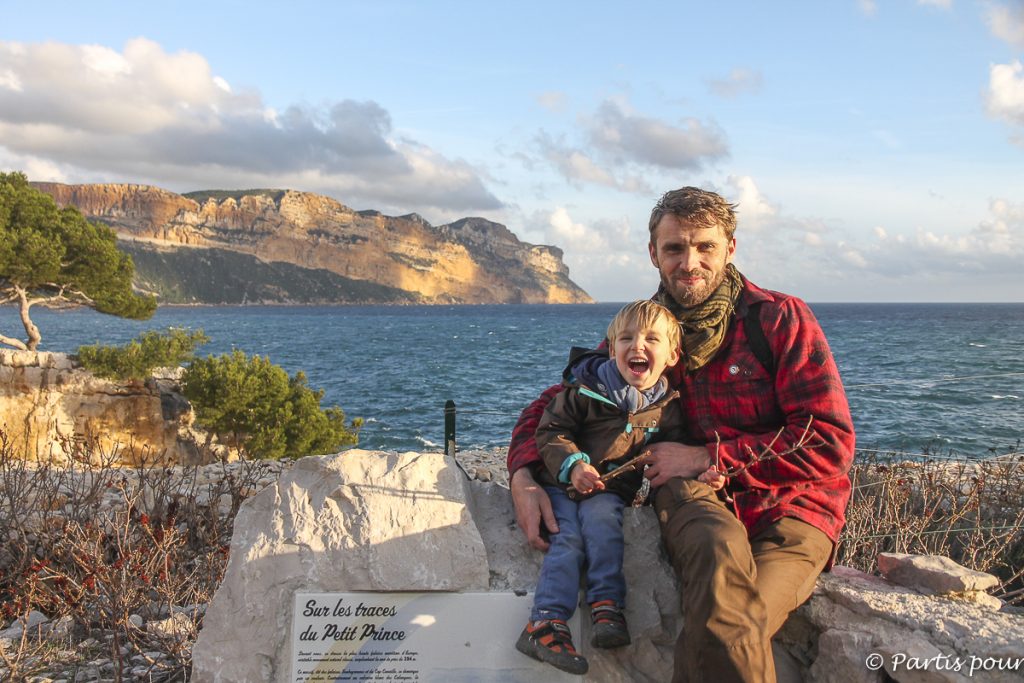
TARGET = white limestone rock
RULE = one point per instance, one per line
(897, 620)
(842, 656)
(178, 626)
(354, 521)
(915, 660)
(932, 573)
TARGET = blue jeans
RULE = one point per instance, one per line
(589, 535)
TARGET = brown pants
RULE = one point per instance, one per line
(735, 592)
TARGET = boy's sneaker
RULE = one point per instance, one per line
(550, 640)
(609, 625)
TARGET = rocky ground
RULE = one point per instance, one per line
(50, 647)
(56, 651)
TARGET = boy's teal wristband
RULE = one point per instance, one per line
(563, 472)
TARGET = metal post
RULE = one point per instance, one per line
(449, 427)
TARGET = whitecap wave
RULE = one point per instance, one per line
(980, 346)
(1012, 397)
(426, 442)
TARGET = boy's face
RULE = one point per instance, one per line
(642, 353)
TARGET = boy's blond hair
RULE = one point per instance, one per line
(645, 313)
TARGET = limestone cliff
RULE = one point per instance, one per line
(50, 407)
(288, 246)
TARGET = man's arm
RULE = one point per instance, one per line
(533, 507)
(808, 391)
(522, 448)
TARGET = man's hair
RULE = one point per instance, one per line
(694, 205)
(645, 313)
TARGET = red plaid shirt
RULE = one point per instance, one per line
(734, 395)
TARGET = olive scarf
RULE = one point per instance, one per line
(704, 325)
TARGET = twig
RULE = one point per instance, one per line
(768, 452)
(628, 466)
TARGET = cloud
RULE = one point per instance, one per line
(145, 115)
(738, 82)
(573, 163)
(629, 137)
(607, 257)
(1005, 97)
(616, 147)
(994, 248)
(1007, 22)
(944, 4)
(826, 260)
(753, 210)
(553, 101)
(562, 230)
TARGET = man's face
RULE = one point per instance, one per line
(691, 259)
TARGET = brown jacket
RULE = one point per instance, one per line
(580, 420)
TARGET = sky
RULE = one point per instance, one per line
(875, 148)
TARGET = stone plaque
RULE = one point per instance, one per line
(415, 638)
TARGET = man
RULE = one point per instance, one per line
(766, 406)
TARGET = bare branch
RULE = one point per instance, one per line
(628, 466)
(808, 439)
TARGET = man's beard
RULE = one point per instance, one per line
(688, 297)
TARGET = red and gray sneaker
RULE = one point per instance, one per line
(549, 640)
(609, 625)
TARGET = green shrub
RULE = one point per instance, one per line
(252, 404)
(137, 359)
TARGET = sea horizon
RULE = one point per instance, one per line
(922, 377)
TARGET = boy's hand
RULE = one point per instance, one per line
(713, 478)
(585, 478)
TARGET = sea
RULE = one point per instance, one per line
(939, 380)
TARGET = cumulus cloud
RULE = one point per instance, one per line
(577, 237)
(753, 209)
(944, 4)
(616, 147)
(993, 248)
(607, 257)
(1006, 92)
(738, 82)
(143, 114)
(1007, 22)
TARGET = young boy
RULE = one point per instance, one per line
(612, 408)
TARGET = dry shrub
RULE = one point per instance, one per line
(969, 511)
(90, 545)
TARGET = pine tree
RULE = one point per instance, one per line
(254, 405)
(55, 257)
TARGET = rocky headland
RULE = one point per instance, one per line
(284, 246)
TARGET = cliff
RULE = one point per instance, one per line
(52, 408)
(283, 246)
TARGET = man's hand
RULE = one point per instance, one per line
(533, 507)
(585, 478)
(669, 459)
